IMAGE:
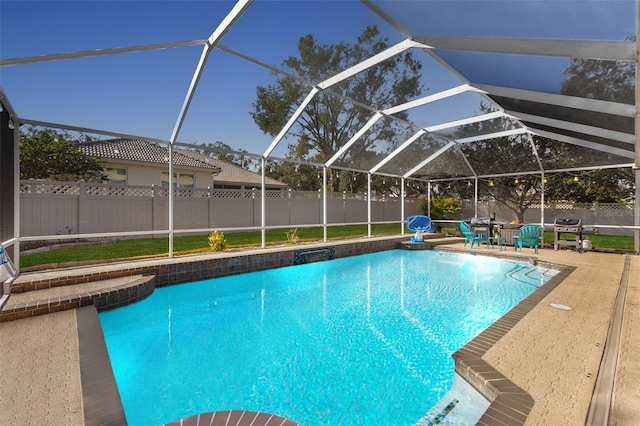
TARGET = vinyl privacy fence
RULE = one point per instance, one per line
(56, 208)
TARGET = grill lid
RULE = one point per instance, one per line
(481, 221)
(568, 222)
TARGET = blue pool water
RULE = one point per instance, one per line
(358, 340)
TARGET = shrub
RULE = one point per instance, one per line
(292, 236)
(442, 208)
(217, 242)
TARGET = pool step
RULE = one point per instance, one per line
(429, 243)
(104, 294)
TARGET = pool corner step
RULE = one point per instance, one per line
(104, 294)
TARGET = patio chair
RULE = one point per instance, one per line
(473, 237)
(529, 237)
(419, 224)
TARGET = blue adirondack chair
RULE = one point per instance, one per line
(472, 237)
(529, 237)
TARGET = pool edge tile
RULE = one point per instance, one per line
(101, 404)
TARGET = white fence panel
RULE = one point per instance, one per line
(190, 213)
(335, 211)
(278, 211)
(305, 211)
(357, 211)
(233, 212)
(48, 214)
(114, 214)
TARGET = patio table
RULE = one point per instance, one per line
(500, 242)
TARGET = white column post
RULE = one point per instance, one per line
(402, 205)
(475, 198)
(263, 203)
(429, 198)
(369, 205)
(16, 192)
(170, 200)
(542, 200)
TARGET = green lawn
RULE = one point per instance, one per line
(601, 241)
(192, 244)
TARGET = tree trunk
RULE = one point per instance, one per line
(335, 183)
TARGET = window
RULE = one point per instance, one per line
(116, 176)
(180, 180)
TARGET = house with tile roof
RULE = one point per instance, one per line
(144, 163)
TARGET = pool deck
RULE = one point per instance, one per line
(553, 355)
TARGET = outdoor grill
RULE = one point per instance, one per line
(562, 227)
(481, 225)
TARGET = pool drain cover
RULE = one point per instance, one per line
(561, 307)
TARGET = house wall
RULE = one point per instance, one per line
(147, 174)
(138, 174)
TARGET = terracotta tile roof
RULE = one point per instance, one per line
(143, 151)
(139, 150)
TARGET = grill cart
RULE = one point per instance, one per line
(567, 232)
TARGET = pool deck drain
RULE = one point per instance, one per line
(553, 355)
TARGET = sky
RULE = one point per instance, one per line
(142, 93)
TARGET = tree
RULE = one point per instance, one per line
(441, 207)
(330, 120)
(594, 186)
(297, 175)
(600, 79)
(223, 152)
(608, 80)
(48, 154)
(497, 155)
(519, 193)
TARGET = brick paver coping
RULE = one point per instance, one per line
(105, 294)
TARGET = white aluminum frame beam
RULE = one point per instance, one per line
(291, 121)
(350, 72)
(588, 49)
(535, 172)
(466, 160)
(428, 159)
(398, 150)
(575, 127)
(535, 151)
(476, 119)
(367, 63)
(213, 39)
(586, 144)
(373, 120)
(464, 121)
(88, 130)
(493, 135)
(431, 98)
(98, 52)
(564, 101)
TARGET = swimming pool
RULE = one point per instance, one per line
(359, 340)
